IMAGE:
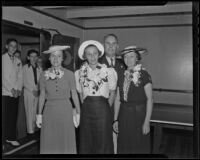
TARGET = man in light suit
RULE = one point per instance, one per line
(11, 90)
(31, 75)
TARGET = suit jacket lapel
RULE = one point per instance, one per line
(104, 61)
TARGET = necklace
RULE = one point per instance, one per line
(94, 78)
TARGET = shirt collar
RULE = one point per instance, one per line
(108, 58)
(109, 61)
(29, 65)
(11, 57)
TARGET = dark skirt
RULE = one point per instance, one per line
(130, 138)
(96, 127)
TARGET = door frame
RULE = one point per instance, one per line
(25, 27)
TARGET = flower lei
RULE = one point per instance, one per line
(53, 74)
(95, 79)
(131, 75)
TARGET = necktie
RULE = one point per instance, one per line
(112, 62)
(35, 74)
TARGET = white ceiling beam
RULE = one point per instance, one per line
(50, 7)
(127, 10)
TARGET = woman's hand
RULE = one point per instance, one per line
(35, 93)
(14, 93)
(146, 128)
(19, 92)
(39, 120)
(76, 118)
(115, 127)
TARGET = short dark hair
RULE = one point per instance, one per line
(9, 40)
(18, 51)
(32, 51)
(138, 55)
(112, 35)
(91, 45)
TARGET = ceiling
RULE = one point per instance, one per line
(78, 13)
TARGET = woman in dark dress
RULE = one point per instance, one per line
(133, 107)
(96, 84)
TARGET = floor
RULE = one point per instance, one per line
(175, 144)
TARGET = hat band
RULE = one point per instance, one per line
(128, 50)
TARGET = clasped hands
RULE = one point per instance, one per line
(35, 93)
(76, 119)
(15, 92)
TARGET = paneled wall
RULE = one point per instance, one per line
(169, 43)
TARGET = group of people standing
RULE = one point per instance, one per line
(113, 95)
(19, 81)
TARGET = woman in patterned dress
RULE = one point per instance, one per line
(133, 107)
(56, 120)
(96, 84)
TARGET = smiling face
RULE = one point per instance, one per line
(17, 55)
(56, 58)
(130, 59)
(33, 58)
(39, 62)
(11, 47)
(92, 55)
(111, 46)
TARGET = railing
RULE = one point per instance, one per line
(172, 90)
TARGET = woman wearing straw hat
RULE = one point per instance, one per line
(96, 84)
(56, 122)
(133, 107)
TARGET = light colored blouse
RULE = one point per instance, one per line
(96, 82)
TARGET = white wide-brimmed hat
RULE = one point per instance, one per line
(55, 48)
(134, 48)
(87, 43)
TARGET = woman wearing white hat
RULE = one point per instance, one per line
(134, 107)
(56, 122)
(96, 84)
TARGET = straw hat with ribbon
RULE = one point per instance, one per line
(55, 48)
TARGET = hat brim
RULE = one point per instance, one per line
(56, 48)
(139, 50)
(87, 43)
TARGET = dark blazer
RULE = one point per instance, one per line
(119, 68)
(119, 65)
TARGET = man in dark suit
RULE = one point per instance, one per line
(111, 47)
